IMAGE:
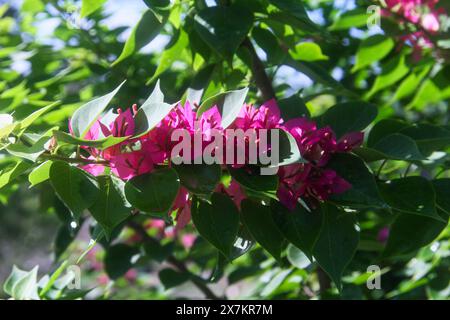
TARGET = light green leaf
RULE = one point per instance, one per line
(101, 144)
(90, 6)
(371, 50)
(307, 51)
(350, 19)
(229, 104)
(87, 114)
(393, 71)
(40, 174)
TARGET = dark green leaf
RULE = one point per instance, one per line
(364, 190)
(199, 178)
(409, 233)
(299, 226)
(118, 259)
(442, 189)
(111, 207)
(259, 222)
(171, 278)
(224, 28)
(337, 242)
(153, 192)
(358, 115)
(76, 189)
(414, 195)
(217, 222)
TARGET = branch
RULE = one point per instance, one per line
(50, 156)
(175, 262)
(259, 74)
(324, 280)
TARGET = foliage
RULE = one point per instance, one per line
(383, 201)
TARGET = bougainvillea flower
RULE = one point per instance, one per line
(350, 141)
(292, 183)
(182, 207)
(234, 191)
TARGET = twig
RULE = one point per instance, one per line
(175, 262)
(51, 156)
(259, 74)
(324, 280)
(381, 167)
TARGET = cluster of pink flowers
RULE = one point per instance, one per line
(424, 14)
(312, 181)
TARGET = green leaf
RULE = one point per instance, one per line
(157, 4)
(350, 19)
(111, 207)
(371, 50)
(90, 6)
(40, 174)
(307, 51)
(229, 104)
(217, 222)
(86, 115)
(383, 128)
(293, 107)
(223, 28)
(250, 177)
(393, 71)
(22, 285)
(267, 41)
(148, 27)
(101, 144)
(442, 189)
(8, 176)
(398, 147)
(25, 123)
(156, 251)
(296, 9)
(299, 226)
(414, 195)
(200, 179)
(364, 190)
(259, 222)
(428, 137)
(409, 233)
(119, 259)
(153, 192)
(15, 275)
(171, 278)
(297, 258)
(358, 115)
(337, 242)
(170, 55)
(152, 111)
(33, 152)
(76, 188)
